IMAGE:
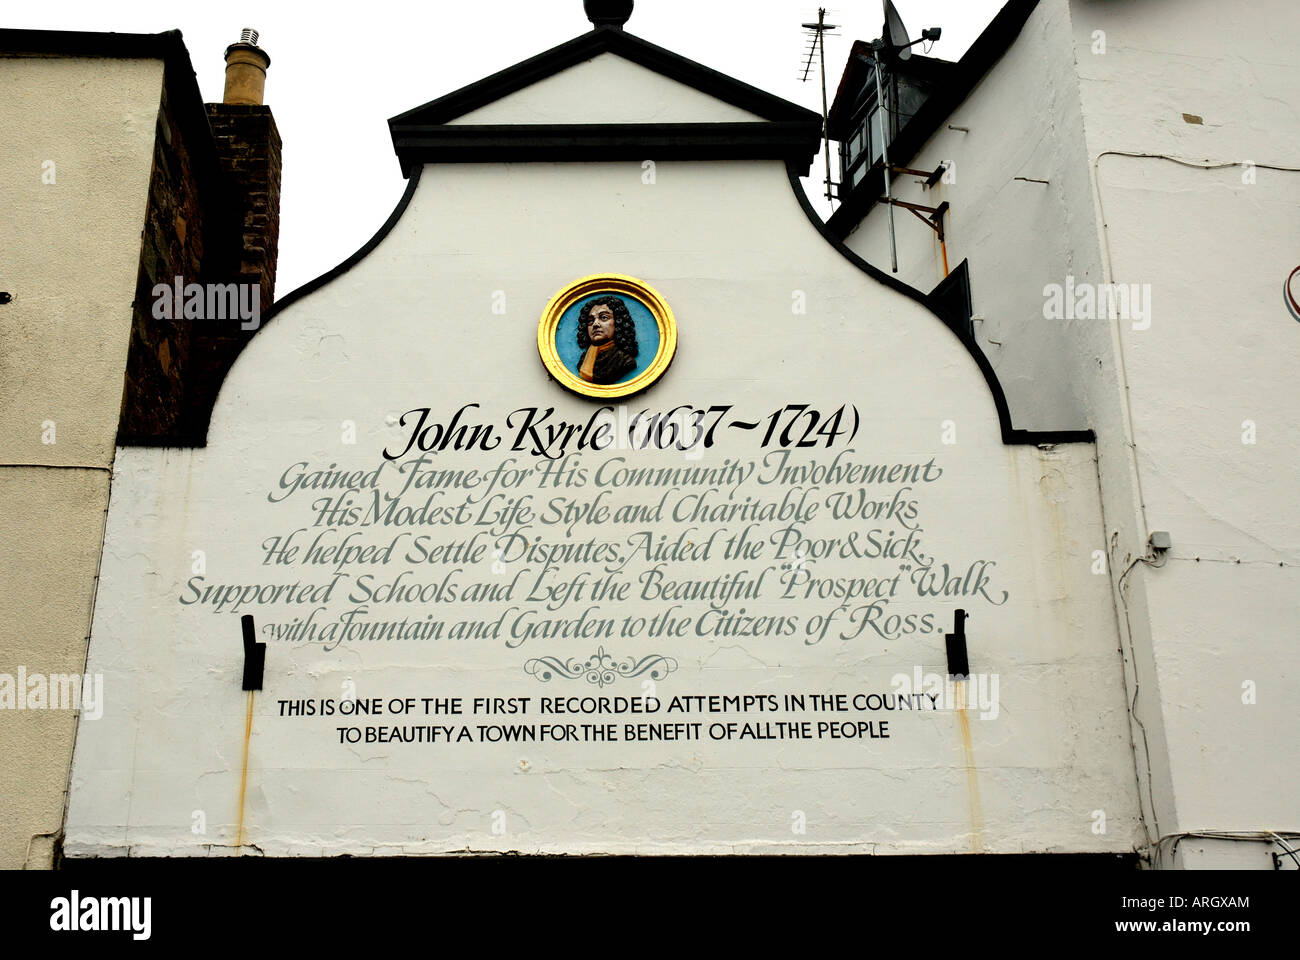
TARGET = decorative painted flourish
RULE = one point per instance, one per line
(600, 668)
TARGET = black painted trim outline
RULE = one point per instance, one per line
(793, 140)
(1010, 435)
(288, 300)
(591, 44)
(311, 286)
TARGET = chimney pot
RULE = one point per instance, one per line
(246, 65)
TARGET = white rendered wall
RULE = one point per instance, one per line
(1173, 403)
(412, 325)
(1023, 120)
(1211, 384)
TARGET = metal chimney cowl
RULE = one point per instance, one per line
(246, 65)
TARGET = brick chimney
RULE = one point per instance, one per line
(248, 147)
(212, 217)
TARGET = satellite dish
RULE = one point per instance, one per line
(896, 33)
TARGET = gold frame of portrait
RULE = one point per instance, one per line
(616, 283)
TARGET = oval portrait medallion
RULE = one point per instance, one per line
(607, 335)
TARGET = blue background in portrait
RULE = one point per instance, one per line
(647, 334)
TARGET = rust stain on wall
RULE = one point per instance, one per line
(243, 774)
(972, 776)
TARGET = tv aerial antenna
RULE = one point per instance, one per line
(816, 33)
(893, 45)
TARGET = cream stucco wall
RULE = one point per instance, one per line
(68, 255)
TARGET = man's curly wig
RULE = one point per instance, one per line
(624, 325)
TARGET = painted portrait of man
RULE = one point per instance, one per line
(607, 339)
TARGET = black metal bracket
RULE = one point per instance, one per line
(254, 655)
(934, 221)
(958, 660)
(928, 177)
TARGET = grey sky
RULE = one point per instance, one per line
(340, 70)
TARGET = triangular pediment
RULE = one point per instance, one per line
(609, 88)
(606, 95)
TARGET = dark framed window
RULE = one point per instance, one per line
(862, 149)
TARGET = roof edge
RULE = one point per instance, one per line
(93, 44)
(1010, 434)
(424, 134)
(167, 46)
(978, 60)
(603, 39)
